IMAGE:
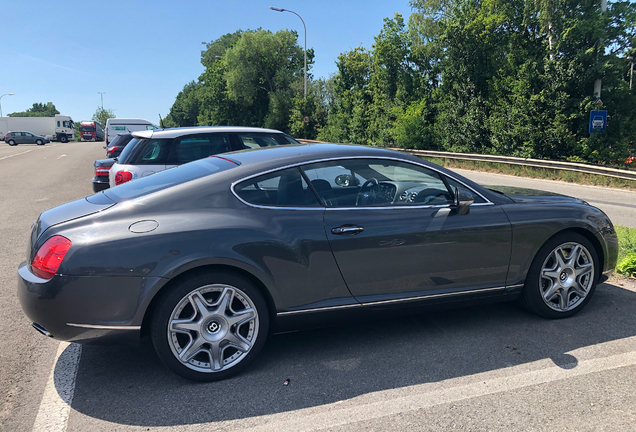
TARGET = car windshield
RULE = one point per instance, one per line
(170, 177)
(87, 128)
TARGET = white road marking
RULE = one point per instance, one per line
(60, 387)
(61, 156)
(17, 154)
(337, 415)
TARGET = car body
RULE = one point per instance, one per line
(157, 150)
(103, 166)
(211, 256)
(20, 137)
(115, 126)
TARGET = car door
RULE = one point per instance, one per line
(288, 241)
(396, 235)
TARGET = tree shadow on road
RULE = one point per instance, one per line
(130, 385)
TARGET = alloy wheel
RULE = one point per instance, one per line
(567, 276)
(213, 328)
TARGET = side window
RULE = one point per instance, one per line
(286, 188)
(376, 182)
(257, 140)
(191, 148)
(150, 127)
(453, 184)
(67, 124)
(152, 152)
(58, 124)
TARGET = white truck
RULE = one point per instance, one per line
(58, 128)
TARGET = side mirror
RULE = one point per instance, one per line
(344, 180)
(462, 201)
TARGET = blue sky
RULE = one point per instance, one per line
(141, 53)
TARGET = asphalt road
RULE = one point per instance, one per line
(491, 367)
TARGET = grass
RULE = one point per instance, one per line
(535, 172)
(626, 251)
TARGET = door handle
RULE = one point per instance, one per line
(347, 229)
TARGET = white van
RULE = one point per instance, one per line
(116, 126)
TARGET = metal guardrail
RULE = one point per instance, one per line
(537, 163)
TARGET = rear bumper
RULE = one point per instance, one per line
(100, 183)
(84, 309)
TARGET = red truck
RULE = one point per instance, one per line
(91, 131)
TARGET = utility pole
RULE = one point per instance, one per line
(102, 96)
(597, 83)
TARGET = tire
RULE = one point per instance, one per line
(11, 142)
(63, 139)
(207, 329)
(559, 285)
(39, 142)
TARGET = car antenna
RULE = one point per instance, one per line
(161, 122)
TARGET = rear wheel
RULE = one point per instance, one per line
(210, 326)
(11, 142)
(562, 277)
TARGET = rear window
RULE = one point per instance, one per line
(125, 154)
(168, 178)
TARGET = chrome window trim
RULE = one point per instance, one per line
(488, 202)
(104, 327)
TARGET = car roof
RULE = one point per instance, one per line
(177, 132)
(127, 120)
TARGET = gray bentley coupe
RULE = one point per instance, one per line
(210, 257)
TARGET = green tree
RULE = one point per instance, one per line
(186, 107)
(38, 110)
(102, 115)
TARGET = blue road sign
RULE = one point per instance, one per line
(598, 121)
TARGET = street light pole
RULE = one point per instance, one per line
(303, 21)
(631, 72)
(6, 94)
(102, 96)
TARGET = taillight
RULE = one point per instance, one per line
(123, 177)
(112, 149)
(102, 171)
(50, 256)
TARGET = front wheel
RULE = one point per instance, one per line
(562, 277)
(39, 142)
(63, 139)
(210, 326)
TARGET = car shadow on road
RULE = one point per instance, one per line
(130, 385)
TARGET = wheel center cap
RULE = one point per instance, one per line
(213, 327)
(563, 276)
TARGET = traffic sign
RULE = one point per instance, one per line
(598, 121)
(306, 119)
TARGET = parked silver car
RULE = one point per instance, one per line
(156, 150)
(15, 138)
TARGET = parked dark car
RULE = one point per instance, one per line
(212, 256)
(102, 168)
(117, 145)
(15, 138)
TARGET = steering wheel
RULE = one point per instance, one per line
(368, 192)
